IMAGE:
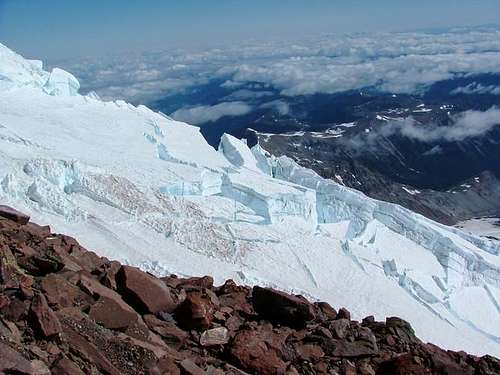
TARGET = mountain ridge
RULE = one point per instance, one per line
(151, 192)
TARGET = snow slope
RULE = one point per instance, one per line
(141, 188)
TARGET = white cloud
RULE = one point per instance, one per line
(477, 88)
(396, 62)
(203, 114)
(463, 126)
(280, 106)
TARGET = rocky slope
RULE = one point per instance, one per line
(64, 310)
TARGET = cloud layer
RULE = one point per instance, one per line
(477, 88)
(203, 114)
(465, 125)
(397, 62)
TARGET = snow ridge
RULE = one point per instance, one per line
(141, 188)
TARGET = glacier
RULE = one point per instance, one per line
(136, 186)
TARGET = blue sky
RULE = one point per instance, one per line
(54, 29)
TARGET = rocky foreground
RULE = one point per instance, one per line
(65, 310)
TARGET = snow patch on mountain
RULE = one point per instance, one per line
(138, 187)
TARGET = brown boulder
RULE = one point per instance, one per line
(361, 342)
(88, 352)
(195, 312)
(328, 312)
(165, 366)
(282, 308)
(401, 329)
(402, 365)
(62, 293)
(309, 352)
(15, 310)
(65, 367)
(344, 314)
(43, 317)
(14, 215)
(108, 277)
(38, 230)
(190, 283)
(12, 361)
(112, 314)
(169, 332)
(257, 351)
(339, 328)
(188, 367)
(145, 293)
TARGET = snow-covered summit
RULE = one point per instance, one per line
(144, 189)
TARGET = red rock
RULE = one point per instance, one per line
(43, 318)
(61, 293)
(38, 230)
(328, 312)
(196, 282)
(89, 352)
(10, 331)
(344, 314)
(11, 362)
(446, 363)
(195, 312)
(402, 365)
(108, 278)
(281, 307)
(256, 351)
(16, 310)
(347, 349)
(339, 328)
(171, 334)
(165, 366)
(309, 352)
(14, 215)
(112, 314)
(145, 293)
(65, 367)
(90, 261)
(188, 367)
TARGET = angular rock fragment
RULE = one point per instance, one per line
(112, 314)
(195, 312)
(65, 367)
(281, 307)
(188, 367)
(14, 215)
(43, 317)
(145, 293)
